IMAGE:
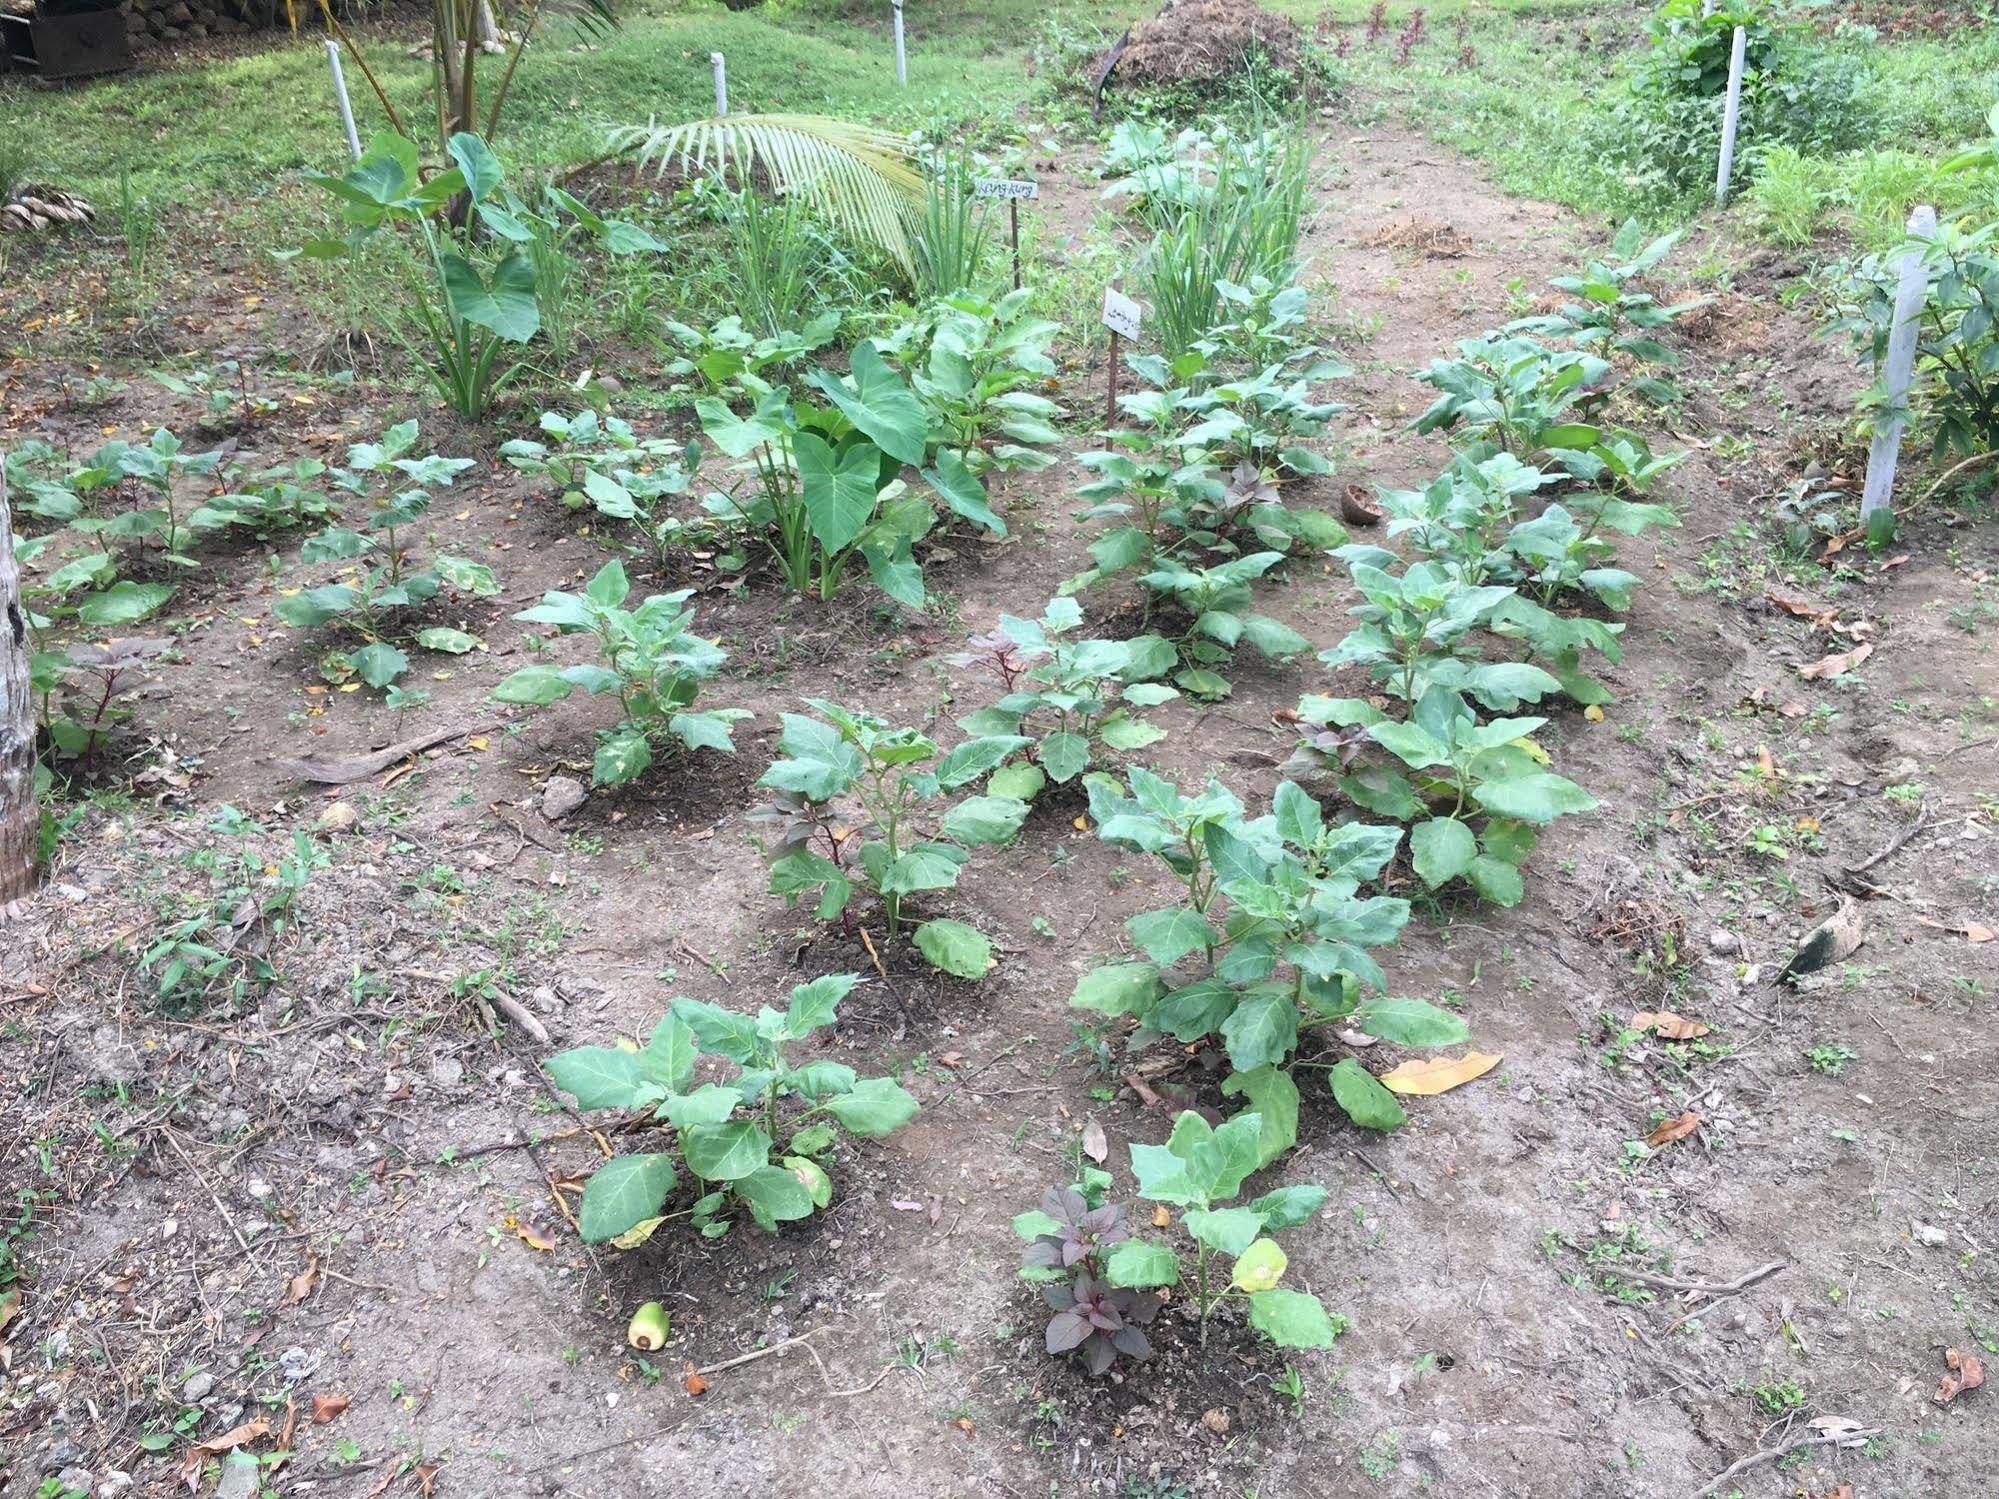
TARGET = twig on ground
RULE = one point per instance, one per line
(1773, 1454)
(1705, 1288)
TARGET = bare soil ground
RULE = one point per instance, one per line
(333, 1192)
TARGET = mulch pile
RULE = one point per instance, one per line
(1198, 41)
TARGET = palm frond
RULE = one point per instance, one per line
(859, 177)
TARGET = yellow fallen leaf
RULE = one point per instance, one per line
(1439, 1074)
(1672, 1027)
(351, 687)
(1593, 713)
(1082, 824)
(477, 741)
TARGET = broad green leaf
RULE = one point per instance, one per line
(708, 1104)
(1021, 782)
(928, 866)
(1538, 798)
(535, 685)
(721, 1031)
(378, 663)
(1118, 989)
(1137, 1263)
(125, 601)
(1367, 1103)
(1198, 1164)
(1262, 1031)
(1231, 1230)
(1292, 1319)
(813, 1006)
(1273, 1097)
(775, 1195)
(966, 762)
(811, 1176)
(877, 1106)
(838, 491)
(505, 305)
(1411, 1022)
(1441, 849)
(1168, 936)
(879, 403)
(1287, 1207)
(476, 160)
(963, 492)
(443, 638)
(1496, 880)
(598, 1077)
(725, 1152)
(979, 820)
(620, 757)
(1064, 755)
(668, 1058)
(955, 948)
(623, 1194)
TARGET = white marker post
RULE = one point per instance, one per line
(1731, 116)
(1121, 316)
(1910, 292)
(340, 93)
(1013, 191)
(721, 66)
(901, 61)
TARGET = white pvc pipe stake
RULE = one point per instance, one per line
(1910, 291)
(721, 67)
(901, 60)
(1731, 117)
(340, 93)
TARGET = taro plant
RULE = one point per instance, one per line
(821, 486)
(725, 1132)
(1276, 928)
(652, 658)
(1072, 700)
(397, 490)
(856, 810)
(1475, 794)
(1215, 604)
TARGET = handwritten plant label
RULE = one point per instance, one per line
(1121, 314)
(1005, 187)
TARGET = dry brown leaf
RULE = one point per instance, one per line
(236, 1436)
(326, 1408)
(693, 1383)
(1161, 1218)
(1666, 1024)
(1439, 1074)
(1832, 666)
(300, 1285)
(1674, 1129)
(1801, 609)
(1095, 1146)
(10, 1307)
(1971, 931)
(1766, 763)
(964, 1424)
(1216, 1420)
(426, 1479)
(535, 1235)
(389, 1476)
(1966, 1373)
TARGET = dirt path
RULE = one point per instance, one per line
(1489, 1350)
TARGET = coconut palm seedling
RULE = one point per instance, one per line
(1474, 794)
(856, 810)
(396, 489)
(1072, 699)
(725, 1132)
(651, 658)
(1214, 603)
(1269, 940)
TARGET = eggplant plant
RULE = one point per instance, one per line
(1276, 929)
(1073, 700)
(1521, 397)
(599, 461)
(971, 363)
(1148, 490)
(160, 468)
(855, 810)
(652, 659)
(728, 359)
(396, 489)
(725, 1132)
(1475, 794)
(1214, 602)
(283, 497)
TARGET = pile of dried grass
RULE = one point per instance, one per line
(1201, 41)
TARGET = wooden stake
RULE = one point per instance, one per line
(1911, 290)
(1013, 223)
(20, 822)
(1110, 389)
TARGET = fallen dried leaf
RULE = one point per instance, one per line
(1831, 941)
(1971, 931)
(1668, 1025)
(1095, 1146)
(1439, 1074)
(1802, 610)
(236, 1436)
(693, 1383)
(301, 1285)
(327, 1407)
(1766, 763)
(536, 1235)
(1161, 1218)
(1834, 665)
(1593, 713)
(904, 1205)
(1674, 1129)
(10, 1307)
(426, 1479)
(1966, 1373)
(964, 1424)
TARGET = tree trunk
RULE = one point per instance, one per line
(20, 823)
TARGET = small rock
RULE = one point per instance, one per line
(546, 1000)
(296, 1364)
(1724, 942)
(78, 1480)
(447, 1072)
(337, 817)
(112, 1484)
(1216, 1420)
(197, 1388)
(1904, 769)
(1930, 1234)
(61, 1453)
(560, 795)
(241, 1477)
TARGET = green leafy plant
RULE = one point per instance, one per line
(397, 491)
(1518, 395)
(601, 462)
(970, 363)
(1609, 317)
(950, 233)
(1474, 793)
(160, 468)
(729, 358)
(1072, 700)
(652, 658)
(896, 841)
(737, 1159)
(1214, 603)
